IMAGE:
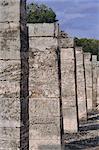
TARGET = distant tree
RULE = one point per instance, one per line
(88, 45)
(40, 14)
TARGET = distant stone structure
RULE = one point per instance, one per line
(81, 89)
(97, 104)
(94, 81)
(69, 101)
(88, 72)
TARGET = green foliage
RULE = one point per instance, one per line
(89, 45)
(40, 14)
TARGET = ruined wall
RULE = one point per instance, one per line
(45, 131)
(9, 74)
(69, 103)
(88, 72)
(81, 89)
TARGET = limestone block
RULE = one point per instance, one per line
(67, 54)
(10, 46)
(70, 119)
(67, 91)
(66, 42)
(11, 133)
(68, 102)
(42, 43)
(9, 10)
(9, 112)
(9, 29)
(69, 114)
(44, 90)
(45, 107)
(8, 144)
(42, 67)
(45, 145)
(43, 29)
(9, 89)
(10, 70)
(45, 131)
(88, 72)
(44, 128)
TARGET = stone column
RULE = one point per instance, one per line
(14, 117)
(10, 68)
(94, 81)
(70, 115)
(98, 85)
(88, 72)
(81, 81)
(45, 131)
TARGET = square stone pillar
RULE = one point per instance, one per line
(10, 69)
(97, 103)
(81, 81)
(44, 112)
(94, 81)
(13, 76)
(88, 72)
(68, 90)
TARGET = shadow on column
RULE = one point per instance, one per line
(58, 54)
(24, 93)
(24, 79)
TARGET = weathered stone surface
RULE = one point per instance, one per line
(88, 72)
(10, 70)
(8, 144)
(42, 43)
(94, 81)
(67, 54)
(70, 119)
(68, 90)
(45, 107)
(12, 32)
(43, 75)
(43, 30)
(68, 101)
(44, 112)
(9, 89)
(82, 109)
(9, 112)
(43, 90)
(45, 145)
(44, 128)
(98, 85)
(42, 66)
(9, 10)
(10, 44)
(11, 133)
(66, 42)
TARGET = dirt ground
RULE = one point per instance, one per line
(88, 136)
